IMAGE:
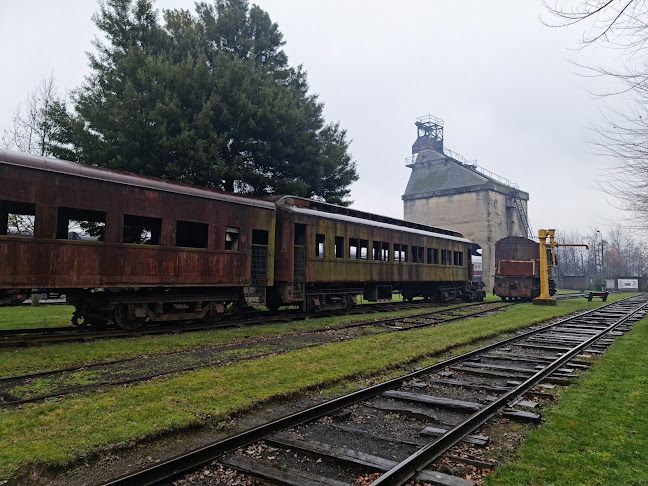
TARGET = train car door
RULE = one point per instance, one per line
(259, 271)
(299, 263)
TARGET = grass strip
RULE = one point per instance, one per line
(597, 434)
(28, 317)
(65, 355)
(59, 433)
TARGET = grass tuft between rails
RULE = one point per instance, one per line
(598, 432)
(59, 433)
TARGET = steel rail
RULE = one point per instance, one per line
(41, 374)
(38, 398)
(185, 462)
(15, 338)
(407, 469)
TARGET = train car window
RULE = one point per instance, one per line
(259, 237)
(461, 259)
(376, 255)
(353, 248)
(300, 234)
(455, 258)
(364, 249)
(435, 255)
(17, 219)
(417, 254)
(319, 245)
(339, 247)
(80, 224)
(444, 258)
(385, 252)
(429, 255)
(192, 235)
(400, 253)
(141, 230)
(232, 237)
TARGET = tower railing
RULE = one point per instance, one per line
(470, 164)
(492, 175)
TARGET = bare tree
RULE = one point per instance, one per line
(572, 260)
(33, 131)
(612, 254)
(621, 25)
(34, 126)
(617, 23)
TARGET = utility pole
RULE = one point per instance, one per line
(596, 251)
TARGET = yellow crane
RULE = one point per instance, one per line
(545, 298)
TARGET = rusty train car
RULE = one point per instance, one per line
(340, 253)
(167, 251)
(517, 269)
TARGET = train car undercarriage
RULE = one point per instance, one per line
(130, 310)
(444, 291)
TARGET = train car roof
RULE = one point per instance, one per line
(516, 239)
(66, 167)
(319, 209)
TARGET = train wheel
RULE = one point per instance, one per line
(273, 306)
(98, 324)
(350, 304)
(273, 301)
(308, 306)
(78, 320)
(121, 317)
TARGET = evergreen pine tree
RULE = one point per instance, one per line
(206, 99)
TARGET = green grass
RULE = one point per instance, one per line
(28, 317)
(598, 432)
(62, 432)
(65, 355)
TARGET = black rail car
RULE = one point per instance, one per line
(168, 251)
(517, 269)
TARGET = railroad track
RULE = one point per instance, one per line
(384, 431)
(186, 360)
(38, 336)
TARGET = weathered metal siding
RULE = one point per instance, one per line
(329, 269)
(43, 261)
(517, 268)
(517, 262)
(516, 248)
(284, 255)
(516, 287)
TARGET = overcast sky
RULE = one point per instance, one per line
(502, 82)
